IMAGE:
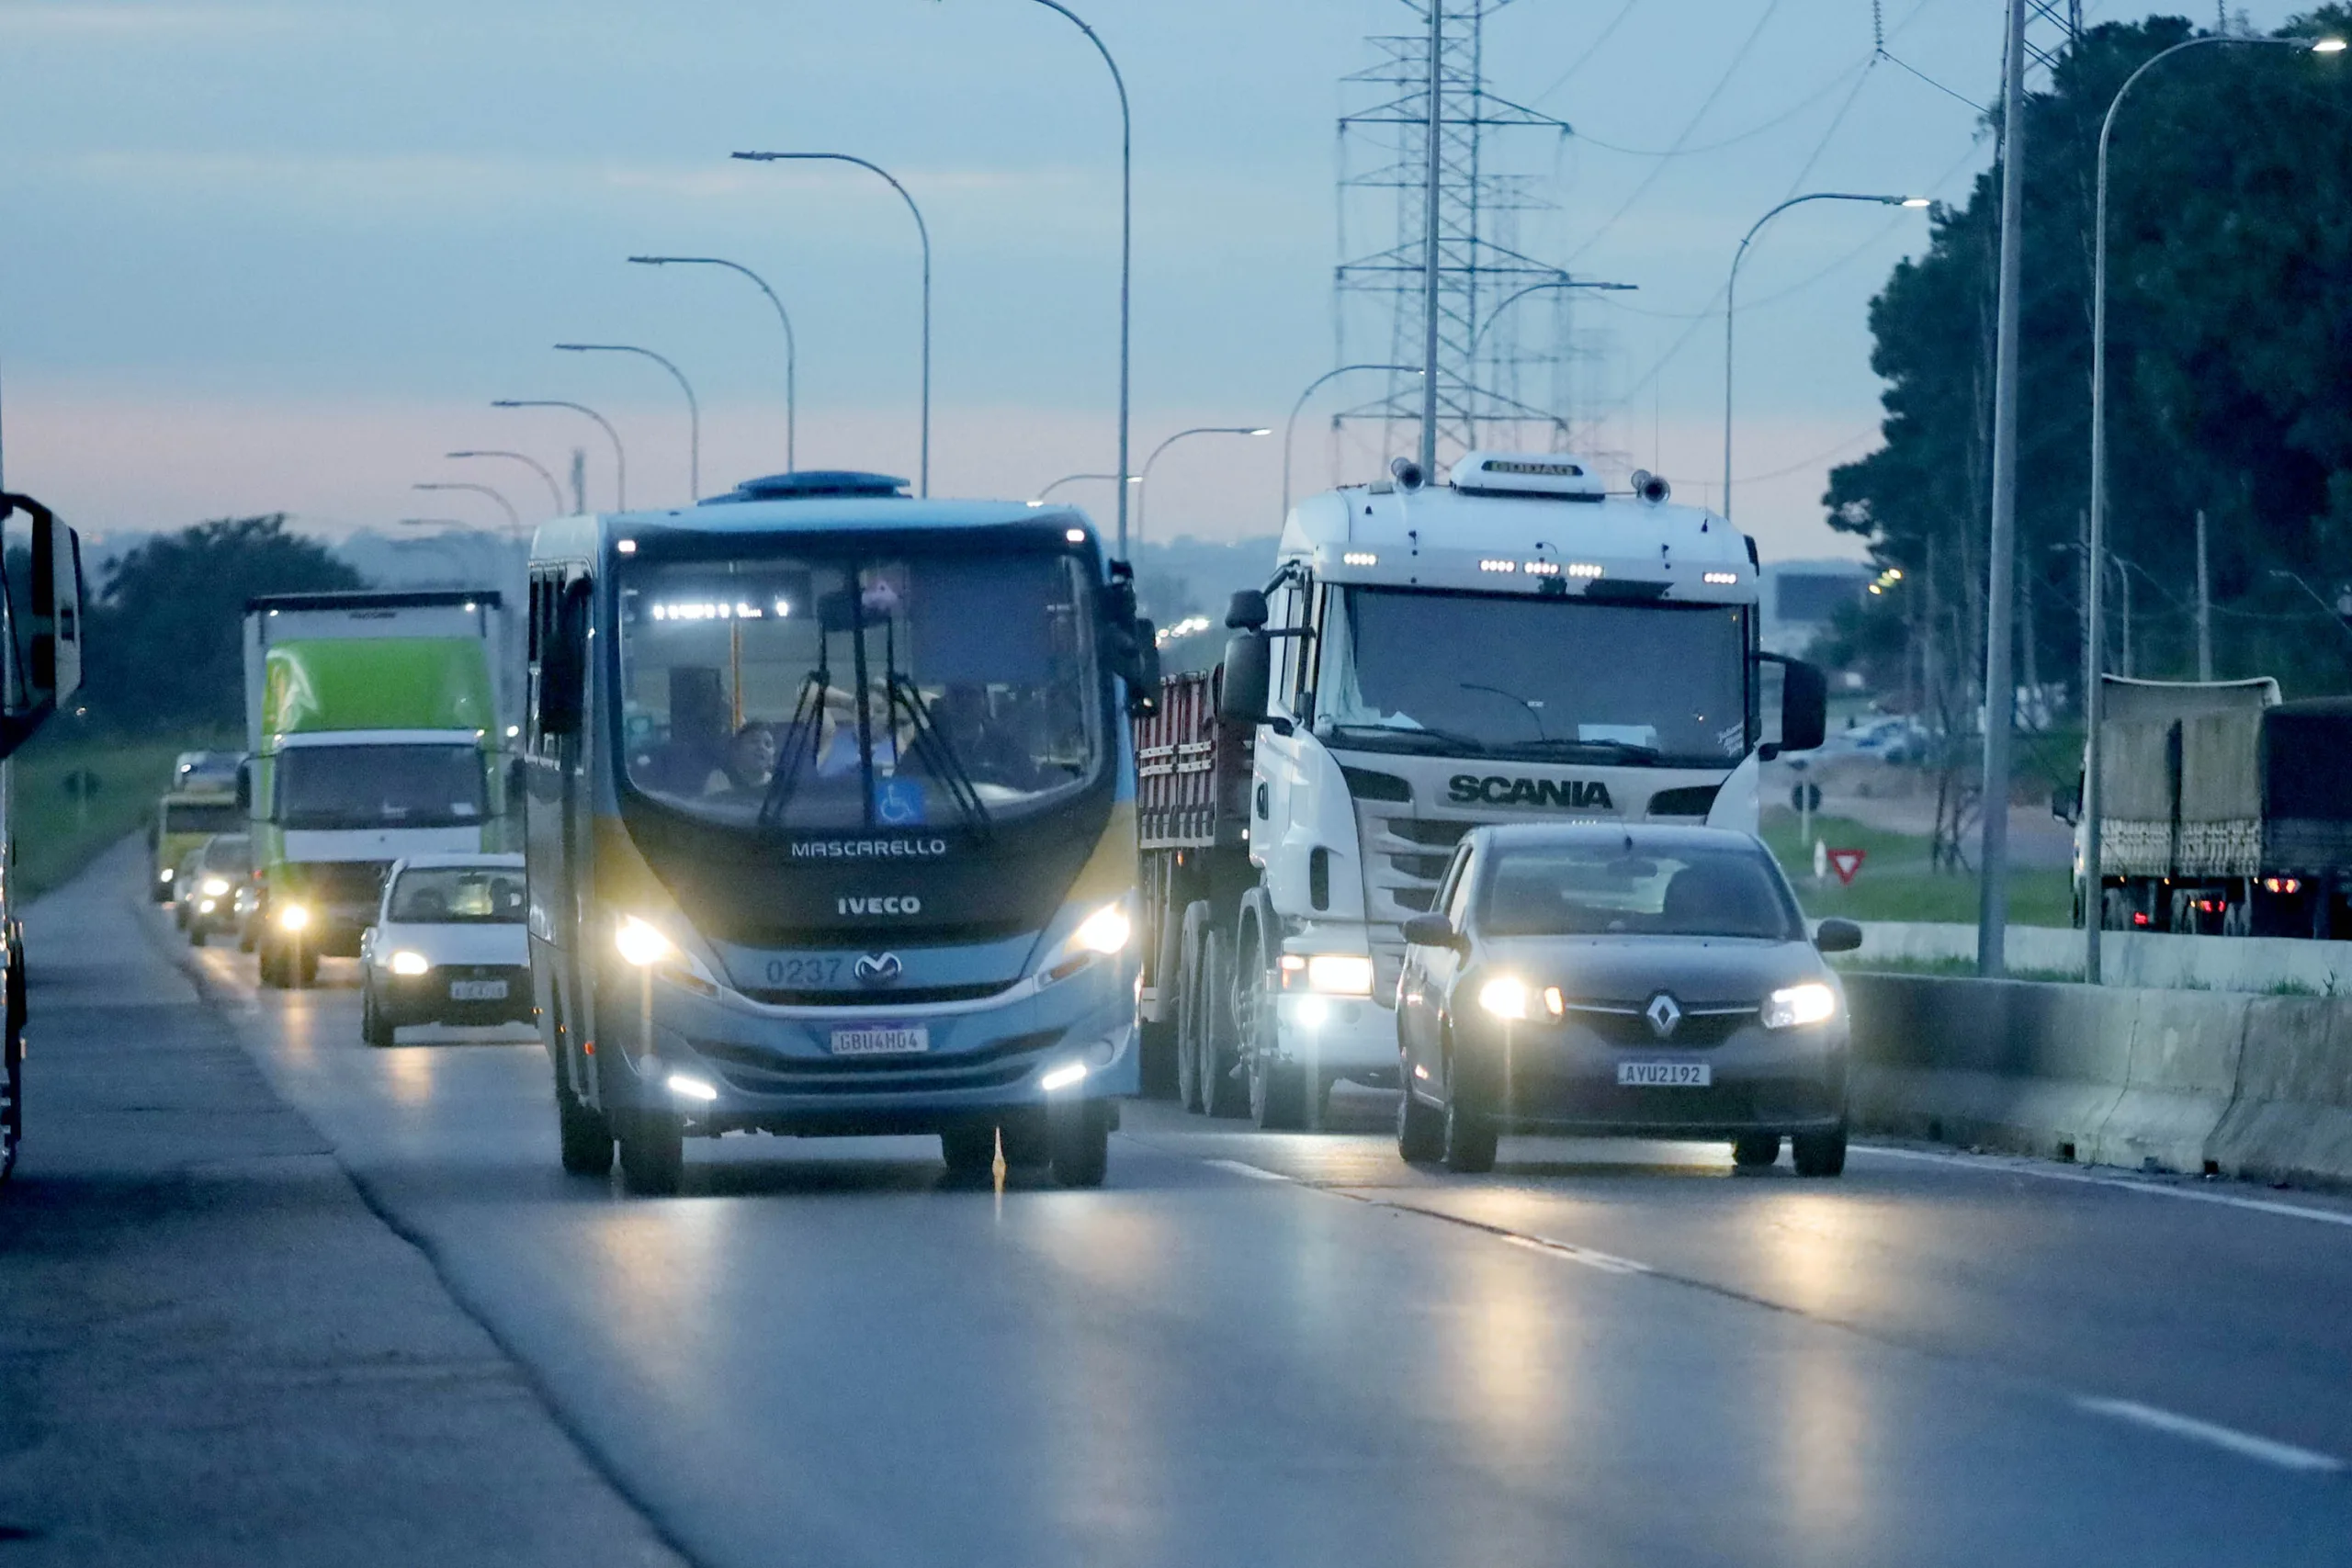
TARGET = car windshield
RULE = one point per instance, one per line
(462, 894)
(1622, 889)
(830, 692)
(1490, 674)
(229, 852)
(202, 817)
(428, 786)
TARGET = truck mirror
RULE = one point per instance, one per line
(1142, 676)
(245, 786)
(518, 782)
(2067, 802)
(1249, 667)
(1246, 610)
(1805, 706)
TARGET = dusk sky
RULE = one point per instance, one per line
(268, 256)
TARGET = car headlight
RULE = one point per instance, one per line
(1332, 973)
(165, 874)
(215, 885)
(1796, 1006)
(1504, 996)
(293, 917)
(407, 962)
(1105, 931)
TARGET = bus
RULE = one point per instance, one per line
(830, 826)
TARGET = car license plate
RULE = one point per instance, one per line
(881, 1041)
(477, 990)
(1664, 1075)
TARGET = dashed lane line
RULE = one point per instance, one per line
(2285, 1456)
(1255, 1172)
(1990, 1167)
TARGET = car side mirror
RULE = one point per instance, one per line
(1249, 669)
(1837, 936)
(1432, 930)
(2066, 804)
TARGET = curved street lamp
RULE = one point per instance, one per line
(513, 518)
(1731, 293)
(694, 408)
(1290, 429)
(620, 458)
(923, 230)
(1143, 480)
(791, 345)
(555, 492)
(1073, 479)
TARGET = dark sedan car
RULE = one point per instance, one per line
(1594, 979)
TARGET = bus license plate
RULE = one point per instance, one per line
(881, 1041)
(477, 990)
(1664, 1075)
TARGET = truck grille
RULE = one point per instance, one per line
(337, 882)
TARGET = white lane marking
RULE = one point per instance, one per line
(1255, 1172)
(2286, 1455)
(1608, 1263)
(2122, 1184)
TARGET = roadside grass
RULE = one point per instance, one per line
(1896, 882)
(1956, 969)
(57, 834)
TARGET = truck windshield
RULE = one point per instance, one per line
(830, 692)
(363, 786)
(1487, 674)
(202, 817)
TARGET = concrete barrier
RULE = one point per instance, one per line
(2150, 959)
(2233, 1083)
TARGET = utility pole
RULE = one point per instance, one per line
(1429, 242)
(580, 479)
(2204, 605)
(2000, 685)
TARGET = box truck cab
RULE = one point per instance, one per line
(831, 827)
(374, 735)
(1517, 645)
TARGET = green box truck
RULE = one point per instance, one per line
(375, 733)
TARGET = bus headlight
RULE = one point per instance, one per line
(293, 918)
(407, 962)
(1797, 1006)
(1107, 931)
(641, 944)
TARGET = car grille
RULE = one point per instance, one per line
(1625, 1024)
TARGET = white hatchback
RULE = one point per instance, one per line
(450, 946)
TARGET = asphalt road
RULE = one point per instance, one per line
(1253, 1350)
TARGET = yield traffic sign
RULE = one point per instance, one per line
(1844, 863)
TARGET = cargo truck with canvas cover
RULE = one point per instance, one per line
(375, 730)
(2228, 811)
(1517, 645)
(831, 825)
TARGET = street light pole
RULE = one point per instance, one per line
(1126, 248)
(620, 457)
(2094, 698)
(2000, 684)
(1290, 429)
(555, 492)
(1073, 479)
(791, 345)
(513, 518)
(1143, 482)
(1431, 180)
(1731, 295)
(923, 230)
(693, 407)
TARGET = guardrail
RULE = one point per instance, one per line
(2222, 1083)
(2149, 959)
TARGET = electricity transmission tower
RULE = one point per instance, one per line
(1503, 363)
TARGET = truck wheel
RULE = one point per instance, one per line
(1221, 1093)
(969, 1151)
(654, 1153)
(1820, 1154)
(1162, 1041)
(196, 933)
(1467, 1134)
(586, 1136)
(306, 969)
(1754, 1151)
(1421, 1131)
(271, 966)
(1080, 1134)
(1277, 1088)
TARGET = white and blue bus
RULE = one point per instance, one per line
(831, 825)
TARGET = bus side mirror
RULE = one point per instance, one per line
(563, 672)
(1245, 611)
(1249, 669)
(53, 671)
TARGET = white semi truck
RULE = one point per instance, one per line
(1519, 644)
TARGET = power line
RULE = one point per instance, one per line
(1591, 50)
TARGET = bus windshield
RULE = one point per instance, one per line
(832, 692)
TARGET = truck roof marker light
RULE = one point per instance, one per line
(686, 1087)
(626, 547)
(1498, 566)
(1067, 1075)
(1722, 580)
(1360, 558)
(1583, 569)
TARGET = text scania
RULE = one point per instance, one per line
(895, 904)
(1573, 794)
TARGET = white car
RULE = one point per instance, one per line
(448, 946)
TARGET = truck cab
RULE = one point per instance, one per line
(1518, 644)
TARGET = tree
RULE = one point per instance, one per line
(167, 629)
(2228, 367)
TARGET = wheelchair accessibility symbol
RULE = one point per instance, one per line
(899, 803)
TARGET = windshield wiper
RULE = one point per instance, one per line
(1583, 750)
(932, 748)
(798, 745)
(1422, 740)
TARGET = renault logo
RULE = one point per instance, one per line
(1665, 1015)
(878, 969)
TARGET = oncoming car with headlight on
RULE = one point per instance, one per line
(1652, 982)
(448, 946)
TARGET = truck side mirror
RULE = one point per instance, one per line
(518, 782)
(1805, 706)
(1143, 671)
(1245, 611)
(245, 786)
(53, 671)
(1249, 669)
(2067, 802)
